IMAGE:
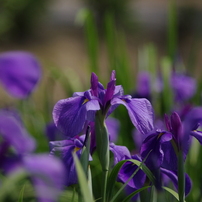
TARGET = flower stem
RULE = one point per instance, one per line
(102, 144)
(181, 177)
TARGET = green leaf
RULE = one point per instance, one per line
(134, 193)
(9, 184)
(86, 193)
(172, 192)
(114, 173)
(20, 199)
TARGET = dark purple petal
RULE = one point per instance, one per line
(53, 133)
(19, 73)
(113, 126)
(173, 177)
(170, 158)
(120, 152)
(70, 114)
(127, 170)
(192, 121)
(109, 92)
(151, 148)
(13, 132)
(167, 122)
(176, 125)
(94, 84)
(140, 112)
(47, 174)
(197, 135)
(129, 190)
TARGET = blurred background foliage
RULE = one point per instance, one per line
(74, 38)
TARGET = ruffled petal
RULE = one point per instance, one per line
(140, 112)
(70, 114)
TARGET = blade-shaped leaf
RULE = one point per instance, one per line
(86, 193)
(134, 193)
(172, 192)
(114, 173)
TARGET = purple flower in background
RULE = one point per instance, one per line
(184, 86)
(113, 127)
(72, 114)
(14, 134)
(19, 73)
(143, 89)
(47, 174)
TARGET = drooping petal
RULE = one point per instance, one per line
(151, 148)
(120, 152)
(64, 149)
(192, 121)
(197, 135)
(12, 131)
(47, 174)
(70, 114)
(140, 112)
(173, 177)
(53, 133)
(19, 73)
(127, 170)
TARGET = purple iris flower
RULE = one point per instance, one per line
(65, 148)
(72, 114)
(143, 89)
(19, 73)
(184, 86)
(47, 174)
(162, 176)
(13, 133)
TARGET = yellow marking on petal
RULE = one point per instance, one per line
(86, 100)
(160, 134)
(76, 149)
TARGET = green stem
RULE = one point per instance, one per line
(102, 143)
(181, 178)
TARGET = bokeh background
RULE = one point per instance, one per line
(72, 38)
(55, 31)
